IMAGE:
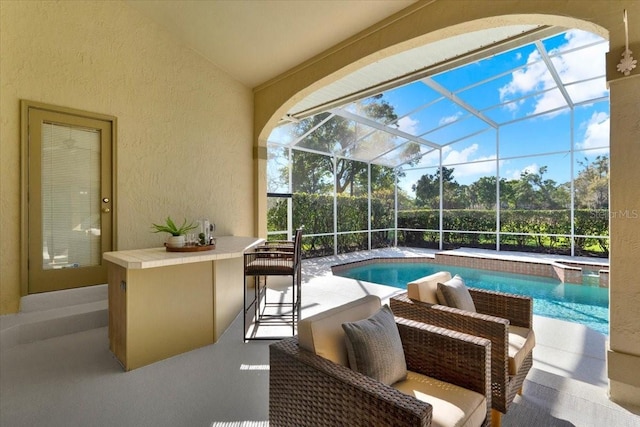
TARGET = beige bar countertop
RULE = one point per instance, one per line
(226, 247)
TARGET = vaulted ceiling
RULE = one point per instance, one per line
(255, 41)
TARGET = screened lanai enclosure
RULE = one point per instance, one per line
(504, 147)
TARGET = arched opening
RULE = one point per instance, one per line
(507, 151)
(273, 102)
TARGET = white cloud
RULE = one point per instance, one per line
(580, 65)
(515, 173)
(431, 159)
(532, 168)
(571, 67)
(450, 119)
(408, 125)
(451, 156)
(470, 172)
(513, 106)
(464, 171)
(454, 156)
(527, 79)
(596, 134)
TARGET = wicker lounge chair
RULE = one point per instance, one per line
(505, 319)
(310, 383)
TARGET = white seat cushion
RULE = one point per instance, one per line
(521, 342)
(424, 289)
(322, 334)
(452, 405)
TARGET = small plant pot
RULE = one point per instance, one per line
(175, 241)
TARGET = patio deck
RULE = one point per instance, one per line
(73, 380)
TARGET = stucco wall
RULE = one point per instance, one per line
(184, 138)
(624, 227)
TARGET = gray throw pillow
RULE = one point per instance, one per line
(374, 347)
(454, 293)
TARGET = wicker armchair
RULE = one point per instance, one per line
(306, 389)
(499, 317)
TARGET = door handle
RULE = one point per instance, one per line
(106, 210)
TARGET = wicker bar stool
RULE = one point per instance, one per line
(275, 258)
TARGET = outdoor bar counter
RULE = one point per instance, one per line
(165, 303)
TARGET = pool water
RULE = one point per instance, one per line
(588, 305)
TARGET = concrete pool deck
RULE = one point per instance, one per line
(569, 358)
(564, 348)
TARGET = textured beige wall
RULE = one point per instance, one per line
(624, 289)
(428, 21)
(184, 126)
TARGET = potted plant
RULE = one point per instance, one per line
(176, 240)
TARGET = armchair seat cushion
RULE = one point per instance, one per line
(452, 405)
(521, 342)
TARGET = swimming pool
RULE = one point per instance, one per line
(588, 305)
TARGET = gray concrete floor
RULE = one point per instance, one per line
(73, 380)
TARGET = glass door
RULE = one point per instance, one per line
(70, 203)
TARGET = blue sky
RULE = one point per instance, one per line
(514, 91)
(529, 90)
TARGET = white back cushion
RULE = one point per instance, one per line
(521, 342)
(322, 333)
(424, 289)
(454, 293)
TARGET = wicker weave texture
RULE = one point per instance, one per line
(273, 263)
(308, 390)
(448, 356)
(517, 309)
(486, 324)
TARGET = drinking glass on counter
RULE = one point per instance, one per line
(191, 239)
(204, 231)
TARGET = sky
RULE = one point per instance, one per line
(516, 101)
(504, 94)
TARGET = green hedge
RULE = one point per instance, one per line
(315, 212)
(533, 228)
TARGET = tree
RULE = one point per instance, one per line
(310, 173)
(592, 184)
(341, 136)
(349, 139)
(532, 191)
(482, 193)
(382, 178)
(455, 195)
(427, 188)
